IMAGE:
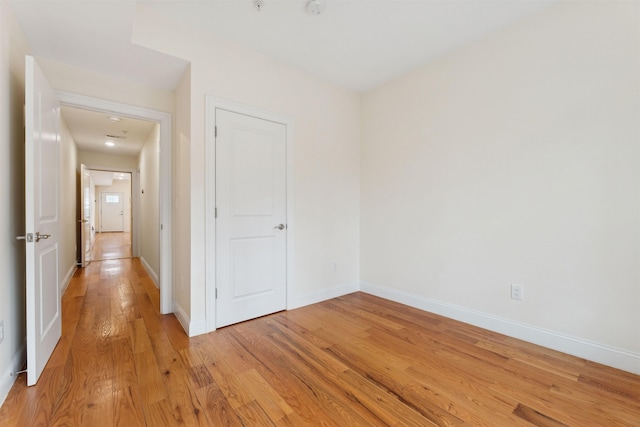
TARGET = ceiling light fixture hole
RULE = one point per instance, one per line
(315, 7)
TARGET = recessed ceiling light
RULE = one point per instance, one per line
(115, 119)
(110, 144)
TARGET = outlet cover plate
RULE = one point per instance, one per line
(517, 292)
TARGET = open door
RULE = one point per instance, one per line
(85, 216)
(42, 164)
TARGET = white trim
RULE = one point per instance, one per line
(7, 379)
(197, 328)
(67, 279)
(182, 317)
(596, 352)
(152, 273)
(192, 329)
(212, 103)
(164, 119)
(325, 295)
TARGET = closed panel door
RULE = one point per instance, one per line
(251, 217)
(42, 171)
(111, 212)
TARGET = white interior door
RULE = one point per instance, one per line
(251, 244)
(85, 216)
(111, 212)
(42, 164)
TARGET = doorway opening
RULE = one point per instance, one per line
(110, 202)
(150, 183)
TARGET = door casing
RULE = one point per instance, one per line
(85, 217)
(213, 103)
(164, 120)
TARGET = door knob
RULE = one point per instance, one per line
(41, 236)
(280, 227)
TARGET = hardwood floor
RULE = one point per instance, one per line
(356, 360)
(111, 246)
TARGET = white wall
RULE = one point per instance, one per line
(515, 160)
(326, 139)
(81, 81)
(69, 176)
(13, 48)
(148, 165)
(100, 161)
(182, 200)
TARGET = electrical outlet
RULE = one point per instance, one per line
(517, 292)
(334, 266)
(1, 330)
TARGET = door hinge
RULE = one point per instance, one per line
(216, 213)
(216, 293)
(215, 132)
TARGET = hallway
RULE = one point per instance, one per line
(91, 376)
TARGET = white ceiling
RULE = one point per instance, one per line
(355, 43)
(91, 130)
(95, 34)
(106, 178)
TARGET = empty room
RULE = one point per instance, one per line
(336, 213)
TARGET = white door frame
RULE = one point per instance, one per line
(135, 202)
(85, 221)
(213, 103)
(164, 120)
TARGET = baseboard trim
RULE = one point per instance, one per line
(322, 296)
(596, 352)
(182, 317)
(191, 328)
(151, 271)
(16, 364)
(67, 279)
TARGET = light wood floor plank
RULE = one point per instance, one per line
(356, 360)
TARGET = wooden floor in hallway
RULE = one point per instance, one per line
(355, 360)
(112, 245)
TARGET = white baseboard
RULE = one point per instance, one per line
(600, 353)
(16, 364)
(154, 276)
(309, 299)
(67, 279)
(182, 316)
(191, 328)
